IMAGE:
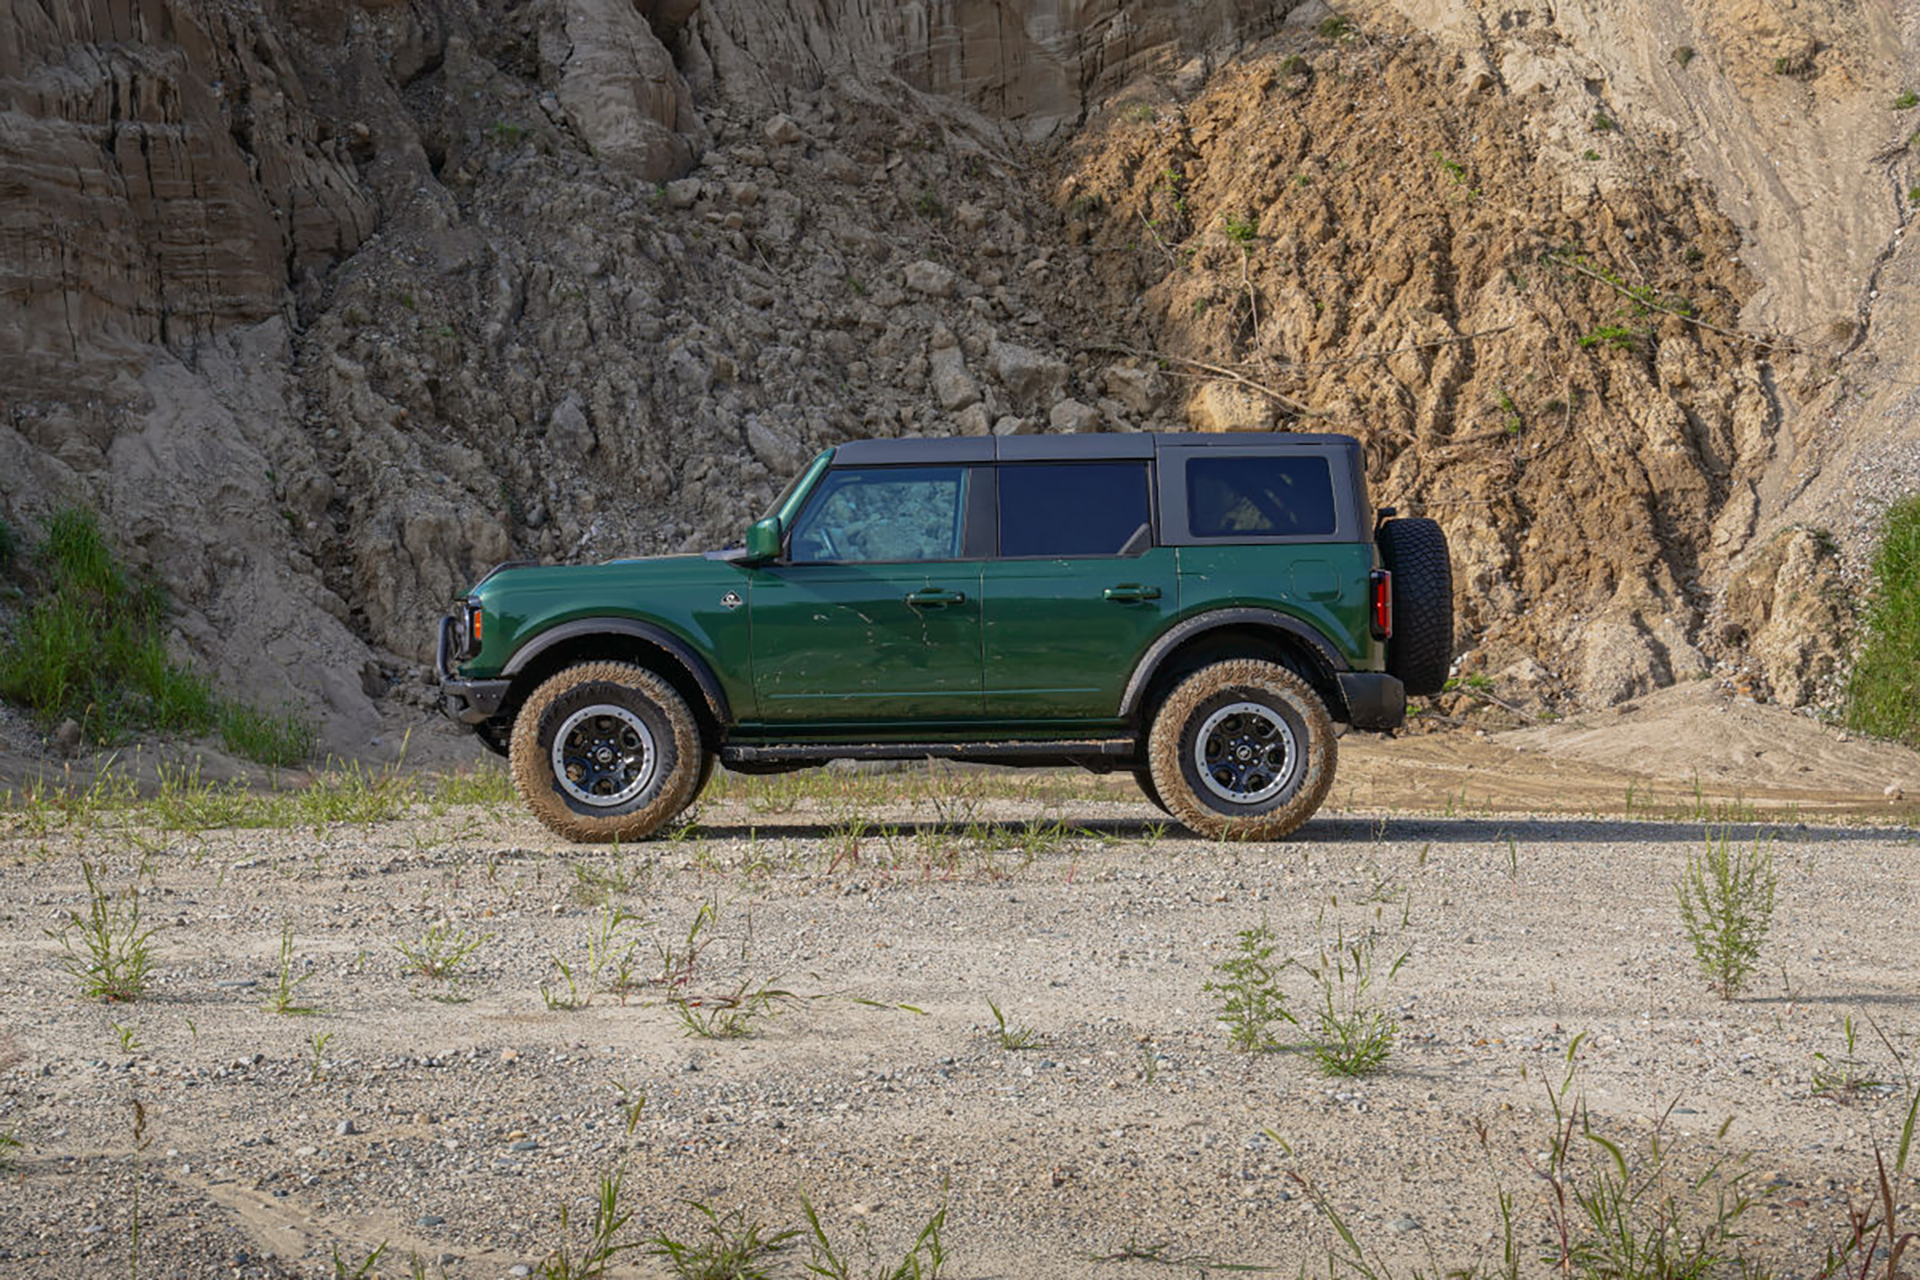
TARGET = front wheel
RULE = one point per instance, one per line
(1242, 750)
(606, 751)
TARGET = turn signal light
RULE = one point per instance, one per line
(476, 628)
(1382, 583)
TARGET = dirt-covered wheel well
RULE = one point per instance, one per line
(1262, 643)
(611, 647)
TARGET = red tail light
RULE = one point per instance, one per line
(1382, 582)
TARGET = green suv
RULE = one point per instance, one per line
(1200, 610)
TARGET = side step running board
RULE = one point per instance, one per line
(1050, 752)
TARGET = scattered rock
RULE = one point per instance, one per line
(782, 130)
(346, 1128)
(1229, 406)
(929, 278)
(1141, 390)
(1030, 376)
(1894, 791)
(568, 429)
(66, 738)
(1072, 415)
(953, 387)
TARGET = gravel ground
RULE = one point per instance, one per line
(454, 1120)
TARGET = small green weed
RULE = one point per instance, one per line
(1616, 337)
(1013, 1039)
(927, 204)
(113, 955)
(1726, 907)
(9, 1146)
(1295, 65)
(317, 1056)
(729, 1016)
(1684, 54)
(345, 1268)
(1602, 123)
(602, 1247)
(442, 951)
(1250, 998)
(730, 1246)
(1335, 28)
(286, 986)
(1907, 99)
(1241, 229)
(1143, 112)
(1841, 1077)
(922, 1261)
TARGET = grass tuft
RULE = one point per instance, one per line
(91, 650)
(107, 951)
(730, 1246)
(1883, 697)
(1351, 1035)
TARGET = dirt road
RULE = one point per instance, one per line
(454, 1118)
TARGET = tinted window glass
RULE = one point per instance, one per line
(1072, 508)
(1259, 497)
(882, 513)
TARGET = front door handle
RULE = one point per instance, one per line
(1132, 591)
(935, 596)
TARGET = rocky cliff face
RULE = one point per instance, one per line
(328, 306)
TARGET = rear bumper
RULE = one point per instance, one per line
(1375, 700)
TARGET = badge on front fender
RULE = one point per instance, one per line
(731, 600)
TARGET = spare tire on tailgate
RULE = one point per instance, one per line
(1421, 647)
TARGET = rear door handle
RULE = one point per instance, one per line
(1132, 591)
(935, 596)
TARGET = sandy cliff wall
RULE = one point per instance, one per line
(328, 305)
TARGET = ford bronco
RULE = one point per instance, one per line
(1200, 610)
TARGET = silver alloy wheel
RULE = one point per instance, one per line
(1244, 752)
(603, 755)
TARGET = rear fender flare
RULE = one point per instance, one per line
(1165, 647)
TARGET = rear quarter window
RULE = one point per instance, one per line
(1260, 497)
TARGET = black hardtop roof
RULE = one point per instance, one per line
(1089, 447)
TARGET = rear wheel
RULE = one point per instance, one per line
(606, 751)
(1242, 750)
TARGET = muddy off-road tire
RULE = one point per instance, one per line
(606, 751)
(1242, 750)
(1145, 778)
(1421, 648)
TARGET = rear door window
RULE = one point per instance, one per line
(1074, 509)
(1260, 497)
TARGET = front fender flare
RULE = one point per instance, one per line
(682, 652)
(1200, 624)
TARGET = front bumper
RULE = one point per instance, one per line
(472, 701)
(468, 701)
(1375, 700)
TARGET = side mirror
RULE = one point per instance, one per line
(763, 541)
